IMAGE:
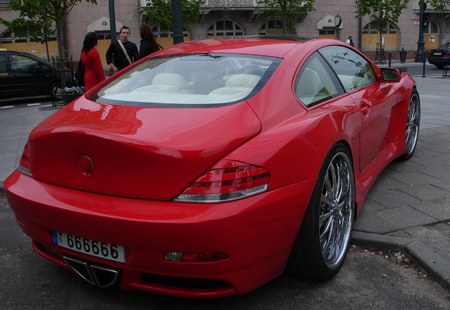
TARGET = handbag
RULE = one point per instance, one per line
(79, 74)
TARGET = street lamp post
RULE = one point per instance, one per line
(421, 43)
(177, 22)
(337, 24)
(112, 20)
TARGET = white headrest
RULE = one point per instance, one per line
(242, 80)
(173, 79)
(309, 84)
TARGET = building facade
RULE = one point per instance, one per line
(241, 18)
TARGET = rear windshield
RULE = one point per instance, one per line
(197, 79)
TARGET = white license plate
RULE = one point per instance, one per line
(90, 247)
(437, 53)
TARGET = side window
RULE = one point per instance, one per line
(353, 70)
(314, 83)
(3, 60)
(21, 64)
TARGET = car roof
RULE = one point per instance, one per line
(37, 58)
(260, 46)
(251, 46)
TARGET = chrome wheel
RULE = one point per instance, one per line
(322, 243)
(336, 210)
(412, 124)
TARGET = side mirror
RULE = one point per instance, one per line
(390, 75)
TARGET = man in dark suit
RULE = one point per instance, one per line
(122, 52)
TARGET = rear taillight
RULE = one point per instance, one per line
(228, 180)
(447, 53)
(24, 165)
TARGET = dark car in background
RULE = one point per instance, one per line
(440, 57)
(24, 75)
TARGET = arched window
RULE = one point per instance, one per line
(372, 28)
(274, 26)
(431, 28)
(431, 36)
(389, 38)
(225, 28)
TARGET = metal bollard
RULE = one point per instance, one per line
(390, 58)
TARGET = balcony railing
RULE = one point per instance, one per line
(218, 3)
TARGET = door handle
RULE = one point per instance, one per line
(365, 108)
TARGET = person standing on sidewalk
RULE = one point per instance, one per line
(148, 42)
(122, 52)
(350, 41)
(90, 59)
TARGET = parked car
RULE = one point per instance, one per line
(440, 57)
(212, 167)
(24, 75)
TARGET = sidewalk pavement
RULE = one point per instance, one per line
(407, 208)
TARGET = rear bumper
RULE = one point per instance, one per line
(439, 61)
(256, 233)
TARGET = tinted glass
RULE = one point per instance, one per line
(22, 64)
(352, 69)
(314, 83)
(444, 46)
(3, 64)
(199, 79)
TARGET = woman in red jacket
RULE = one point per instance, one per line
(93, 69)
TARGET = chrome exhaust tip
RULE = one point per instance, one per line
(96, 275)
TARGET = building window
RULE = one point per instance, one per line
(431, 28)
(225, 28)
(103, 35)
(164, 31)
(327, 32)
(22, 34)
(271, 27)
(372, 29)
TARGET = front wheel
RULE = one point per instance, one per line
(412, 125)
(324, 237)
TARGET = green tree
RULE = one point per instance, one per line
(45, 13)
(289, 11)
(440, 5)
(381, 13)
(159, 12)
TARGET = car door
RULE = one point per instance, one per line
(375, 100)
(5, 91)
(29, 76)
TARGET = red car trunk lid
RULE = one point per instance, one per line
(142, 152)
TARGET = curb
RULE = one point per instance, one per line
(427, 258)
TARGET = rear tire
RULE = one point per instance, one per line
(412, 125)
(324, 237)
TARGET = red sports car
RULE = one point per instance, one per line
(211, 167)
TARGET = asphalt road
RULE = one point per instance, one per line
(369, 279)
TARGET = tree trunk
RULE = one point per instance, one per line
(60, 63)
